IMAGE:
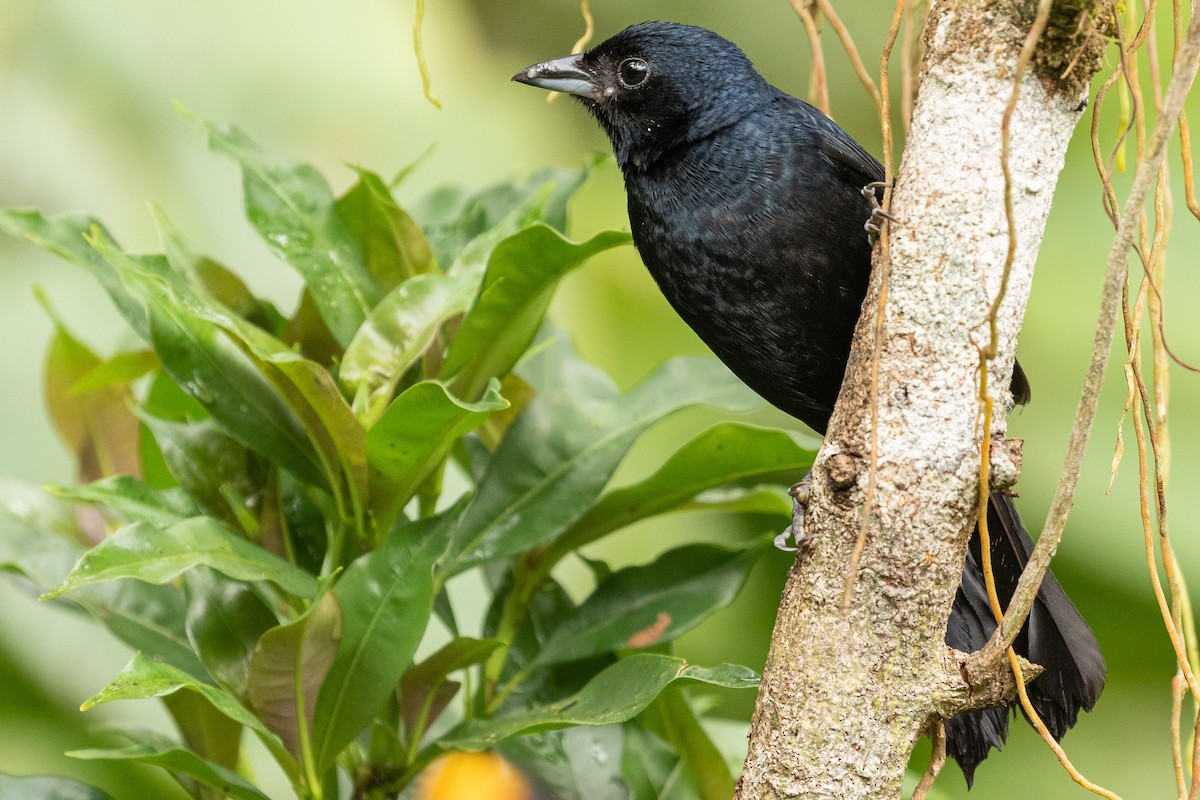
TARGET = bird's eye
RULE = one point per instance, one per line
(633, 72)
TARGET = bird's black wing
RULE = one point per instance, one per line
(857, 165)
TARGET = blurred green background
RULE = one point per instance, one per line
(86, 123)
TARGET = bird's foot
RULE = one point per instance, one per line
(874, 223)
(800, 493)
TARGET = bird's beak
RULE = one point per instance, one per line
(566, 74)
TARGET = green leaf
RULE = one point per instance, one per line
(393, 245)
(768, 500)
(463, 229)
(158, 555)
(702, 759)
(206, 351)
(520, 279)
(616, 694)
(205, 730)
(123, 368)
(455, 655)
(152, 748)
(574, 764)
(225, 620)
(13, 787)
(421, 697)
(145, 617)
(386, 598)
(33, 506)
(288, 669)
(64, 235)
(637, 607)
(339, 438)
(215, 470)
(415, 434)
(730, 454)
(213, 280)
(132, 499)
(143, 678)
(646, 763)
(397, 332)
(292, 208)
(559, 454)
(281, 405)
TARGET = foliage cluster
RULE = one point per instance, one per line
(273, 510)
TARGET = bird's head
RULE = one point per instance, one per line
(655, 86)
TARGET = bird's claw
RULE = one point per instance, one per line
(800, 493)
(874, 223)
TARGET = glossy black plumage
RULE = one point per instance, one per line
(746, 207)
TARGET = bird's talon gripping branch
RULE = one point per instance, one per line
(874, 223)
(800, 492)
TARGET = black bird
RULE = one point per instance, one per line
(746, 206)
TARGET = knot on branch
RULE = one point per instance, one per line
(843, 470)
(1005, 463)
(982, 679)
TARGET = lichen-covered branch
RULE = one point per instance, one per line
(848, 691)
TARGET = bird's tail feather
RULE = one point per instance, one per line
(1055, 636)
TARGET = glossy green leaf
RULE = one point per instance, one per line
(131, 499)
(152, 748)
(214, 280)
(225, 620)
(205, 730)
(546, 610)
(641, 606)
(292, 208)
(463, 228)
(36, 787)
(308, 334)
(646, 763)
(288, 668)
(397, 332)
(142, 678)
(339, 438)
(581, 763)
(285, 407)
(212, 467)
(64, 235)
(520, 279)
(36, 508)
(618, 693)
(768, 500)
(421, 695)
(415, 434)
(386, 598)
(392, 244)
(562, 450)
(703, 761)
(157, 555)
(205, 350)
(115, 371)
(145, 617)
(726, 455)
(455, 655)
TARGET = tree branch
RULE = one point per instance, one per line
(847, 692)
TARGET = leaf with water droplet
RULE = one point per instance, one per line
(293, 209)
(616, 694)
(157, 555)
